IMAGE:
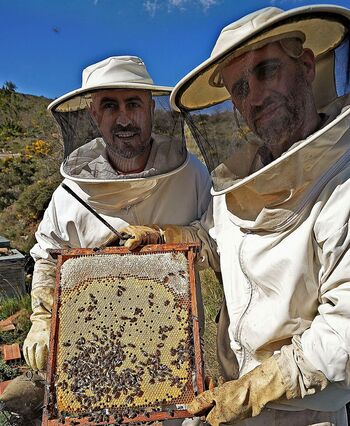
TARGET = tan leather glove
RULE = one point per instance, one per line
(153, 234)
(242, 398)
(136, 236)
(36, 344)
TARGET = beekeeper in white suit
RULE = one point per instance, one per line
(126, 172)
(280, 216)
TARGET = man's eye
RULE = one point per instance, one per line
(267, 71)
(133, 105)
(240, 90)
(109, 105)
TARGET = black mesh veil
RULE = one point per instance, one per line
(218, 131)
(69, 122)
(83, 141)
(233, 149)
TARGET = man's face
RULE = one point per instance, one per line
(124, 118)
(272, 91)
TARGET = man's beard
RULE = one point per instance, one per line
(284, 127)
(127, 148)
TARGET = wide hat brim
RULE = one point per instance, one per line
(81, 98)
(324, 28)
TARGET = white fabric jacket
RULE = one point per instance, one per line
(178, 198)
(284, 243)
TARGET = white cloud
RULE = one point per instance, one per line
(208, 3)
(177, 3)
(151, 6)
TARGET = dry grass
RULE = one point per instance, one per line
(10, 306)
(212, 293)
(22, 323)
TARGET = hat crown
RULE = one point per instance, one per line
(242, 28)
(116, 69)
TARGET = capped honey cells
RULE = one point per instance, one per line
(124, 342)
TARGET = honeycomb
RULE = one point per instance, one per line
(124, 342)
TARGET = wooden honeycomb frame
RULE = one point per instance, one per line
(51, 415)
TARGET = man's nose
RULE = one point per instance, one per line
(123, 118)
(257, 91)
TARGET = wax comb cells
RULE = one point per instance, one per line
(124, 342)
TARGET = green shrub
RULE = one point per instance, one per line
(7, 372)
(9, 307)
(18, 335)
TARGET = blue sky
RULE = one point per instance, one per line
(45, 44)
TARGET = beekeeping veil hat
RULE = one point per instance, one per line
(320, 28)
(201, 95)
(116, 72)
(86, 161)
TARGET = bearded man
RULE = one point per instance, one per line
(280, 214)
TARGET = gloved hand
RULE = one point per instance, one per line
(36, 344)
(141, 235)
(242, 398)
(212, 382)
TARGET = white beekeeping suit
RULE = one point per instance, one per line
(171, 186)
(281, 223)
(280, 213)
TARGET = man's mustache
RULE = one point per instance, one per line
(258, 109)
(128, 128)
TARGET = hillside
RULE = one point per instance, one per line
(29, 162)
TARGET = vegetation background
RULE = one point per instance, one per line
(30, 154)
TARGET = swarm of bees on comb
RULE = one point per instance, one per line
(125, 340)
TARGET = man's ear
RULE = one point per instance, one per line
(307, 58)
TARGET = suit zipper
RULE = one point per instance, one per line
(239, 322)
